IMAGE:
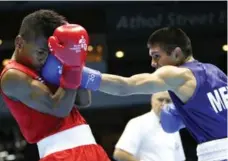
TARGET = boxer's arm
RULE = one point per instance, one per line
(83, 98)
(36, 95)
(163, 79)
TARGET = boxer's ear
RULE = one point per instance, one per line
(177, 54)
(19, 43)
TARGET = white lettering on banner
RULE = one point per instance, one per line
(219, 99)
(170, 19)
(139, 22)
(178, 19)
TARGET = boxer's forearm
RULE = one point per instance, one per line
(64, 101)
(162, 79)
(115, 85)
(144, 83)
(83, 98)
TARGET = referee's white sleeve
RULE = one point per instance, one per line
(180, 156)
(130, 138)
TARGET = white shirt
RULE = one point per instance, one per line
(144, 138)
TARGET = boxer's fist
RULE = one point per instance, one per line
(69, 45)
(170, 119)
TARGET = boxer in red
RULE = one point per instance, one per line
(45, 112)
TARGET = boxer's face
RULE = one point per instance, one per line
(32, 53)
(161, 58)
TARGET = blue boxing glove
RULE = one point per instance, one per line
(52, 70)
(170, 119)
(91, 79)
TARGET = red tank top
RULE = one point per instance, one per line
(35, 125)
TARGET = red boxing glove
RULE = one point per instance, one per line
(69, 45)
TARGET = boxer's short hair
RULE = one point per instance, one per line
(169, 38)
(40, 23)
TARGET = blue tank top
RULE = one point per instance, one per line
(205, 113)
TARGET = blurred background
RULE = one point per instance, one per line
(118, 33)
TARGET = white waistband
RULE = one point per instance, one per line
(67, 139)
(215, 150)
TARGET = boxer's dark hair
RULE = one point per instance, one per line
(169, 38)
(41, 22)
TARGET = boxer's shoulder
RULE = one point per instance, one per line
(14, 75)
(12, 80)
(174, 76)
(170, 71)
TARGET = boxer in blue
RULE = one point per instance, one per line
(198, 91)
